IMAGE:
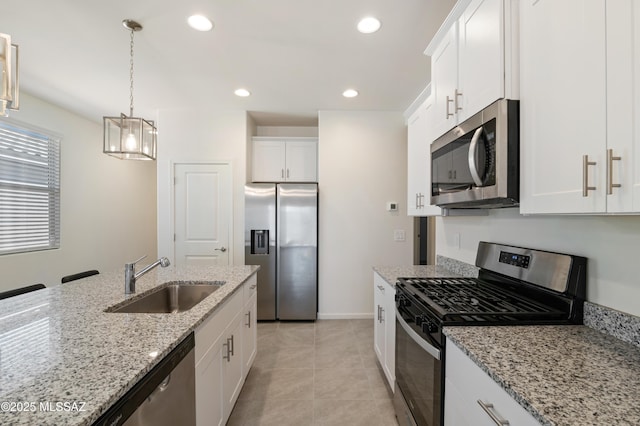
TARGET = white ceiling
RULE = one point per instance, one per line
(295, 56)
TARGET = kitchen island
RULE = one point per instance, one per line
(65, 361)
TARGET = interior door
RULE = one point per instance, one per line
(202, 206)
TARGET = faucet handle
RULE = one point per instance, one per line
(136, 261)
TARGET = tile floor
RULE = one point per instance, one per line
(315, 373)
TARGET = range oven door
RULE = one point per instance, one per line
(418, 374)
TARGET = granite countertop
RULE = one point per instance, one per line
(392, 273)
(563, 375)
(57, 345)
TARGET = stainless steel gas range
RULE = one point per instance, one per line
(515, 286)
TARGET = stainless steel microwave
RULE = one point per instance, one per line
(476, 164)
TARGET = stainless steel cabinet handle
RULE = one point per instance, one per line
(417, 205)
(381, 288)
(381, 314)
(222, 249)
(489, 409)
(228, 355)
(287, 173)
(379, 308)
(282, 173)
(248, 314)
(232, 346)
(449, 114)
(585, 175)
(253, 286)
(610, 160)
(456, 95)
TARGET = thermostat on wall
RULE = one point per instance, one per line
(392, 206)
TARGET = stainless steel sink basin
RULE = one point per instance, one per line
(174, 297)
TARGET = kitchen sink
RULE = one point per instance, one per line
(171, 298)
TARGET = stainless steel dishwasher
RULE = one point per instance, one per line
(165, 396)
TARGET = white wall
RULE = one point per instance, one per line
(108, 206)
(611, 243)
(362, 166)
(196, 136)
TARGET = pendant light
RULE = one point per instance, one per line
(9, 75)
(129, 137)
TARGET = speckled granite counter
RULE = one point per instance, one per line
(562, 375)
(392, 273)
(58, 344)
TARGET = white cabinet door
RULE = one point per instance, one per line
(623, 106)
(209, 410)
(389, 319)
(466, 384)
(419, 161)
(379, 332)
(384, 337)
(268, 161)
(444, 82)
(481, 56)
(249, 333)
(301, 161)
(232, 379)
(563, 112)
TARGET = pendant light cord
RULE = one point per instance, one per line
(131, 77)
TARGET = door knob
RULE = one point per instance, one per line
(222, 249)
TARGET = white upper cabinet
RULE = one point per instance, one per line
(474, 60)
(285, 159)
(419, 136)
(580, 72)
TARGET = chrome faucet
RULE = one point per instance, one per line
(130, 275)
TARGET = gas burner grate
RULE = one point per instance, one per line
(473, 300)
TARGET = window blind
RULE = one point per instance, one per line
(29, 189)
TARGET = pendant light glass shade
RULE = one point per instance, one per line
(9, 95)
(129, 137)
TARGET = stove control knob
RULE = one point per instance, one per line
(419, 320)
(429, 327)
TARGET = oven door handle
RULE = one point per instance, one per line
(432, 350)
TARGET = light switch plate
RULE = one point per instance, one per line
(399, 235)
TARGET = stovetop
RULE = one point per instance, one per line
(466, 300)
(515, 285)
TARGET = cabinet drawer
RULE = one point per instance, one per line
(210, 330)
(469, 385)
(249, 288)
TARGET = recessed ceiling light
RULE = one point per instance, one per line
(200, 23)
(242, 93)
(350, 93)
(368, 25)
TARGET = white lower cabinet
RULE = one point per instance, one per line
(249, 327)
(472, 398)
(384, 338)
(225, 349)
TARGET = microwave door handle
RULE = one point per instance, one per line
(473, 148)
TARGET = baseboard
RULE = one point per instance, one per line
(322, 316)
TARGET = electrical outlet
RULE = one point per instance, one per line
(399, 235)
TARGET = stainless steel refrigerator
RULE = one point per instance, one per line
(281, 235)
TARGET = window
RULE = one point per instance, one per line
(29, 189)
